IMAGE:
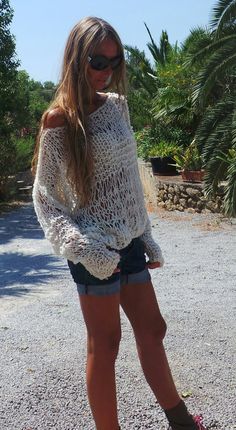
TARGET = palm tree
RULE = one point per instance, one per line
(143, 79)
(215, 94)
(173, 100)
(140, 71)
(166, 85)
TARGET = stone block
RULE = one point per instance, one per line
(169, 206)
(200, 205)
(193, 192)
(161, 193)
(183, 203)
(206, 211)
(190, 202)
(211, 206)
(179, 208)
(162, 205)
(176, 200)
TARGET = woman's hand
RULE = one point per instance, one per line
(153, 265)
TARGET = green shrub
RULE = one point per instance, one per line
(8, 157)
(165, 149)
(7, 164)
(24, 153)
(145, 142)
(190, 159)
(152, 135)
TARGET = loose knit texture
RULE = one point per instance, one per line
(116, 211)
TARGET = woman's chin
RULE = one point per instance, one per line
(102, 87)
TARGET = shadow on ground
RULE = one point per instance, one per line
(21, 223)
(23, 269)
(19, 270)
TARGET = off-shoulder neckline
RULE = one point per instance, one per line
(100, 107)
(108, 97)
(53, 128)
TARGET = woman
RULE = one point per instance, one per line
(89, 201)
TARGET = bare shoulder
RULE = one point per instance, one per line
(55, 118)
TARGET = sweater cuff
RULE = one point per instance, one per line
(95, 257)
(153, 252)
(152, 249)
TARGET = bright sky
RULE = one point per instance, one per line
(41, 27)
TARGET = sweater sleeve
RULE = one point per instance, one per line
(152, 249)
(126, 114)
(54, 214)
(122, 104)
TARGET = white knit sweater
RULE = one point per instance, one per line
(116, 212)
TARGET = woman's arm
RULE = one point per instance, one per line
(152, 249)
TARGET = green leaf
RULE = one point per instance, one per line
(186, 394)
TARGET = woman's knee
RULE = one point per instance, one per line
(104, 344)
(154, 332)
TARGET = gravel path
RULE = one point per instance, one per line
(42, 334)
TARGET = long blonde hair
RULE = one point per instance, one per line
(70, 97)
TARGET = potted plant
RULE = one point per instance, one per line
(161, 156)
(189, 163)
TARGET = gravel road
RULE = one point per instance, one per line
(43, 338)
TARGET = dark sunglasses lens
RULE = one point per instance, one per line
(116, 62)
(99, 62)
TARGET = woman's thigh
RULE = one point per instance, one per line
(102, 318)
(140, 304)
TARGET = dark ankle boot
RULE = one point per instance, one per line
(179, 418)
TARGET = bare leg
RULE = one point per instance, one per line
(140, 305)
(102, 318)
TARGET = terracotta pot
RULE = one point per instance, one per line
(192, 175)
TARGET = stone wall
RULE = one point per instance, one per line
(171, 193)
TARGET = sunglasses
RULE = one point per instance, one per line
(100, 62)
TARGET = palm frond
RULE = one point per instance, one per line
(221, 62)
(223, 13)
(139, 56)
(165, 46)
(159, 54)
(219, 140)
(209, 49)
(148, 84)
(152, 46)
(234, 127)
(214, 174)
(139, 69)
(196, 40)
(230, 194)
(213, 116)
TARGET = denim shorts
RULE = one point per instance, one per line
(132, 267)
